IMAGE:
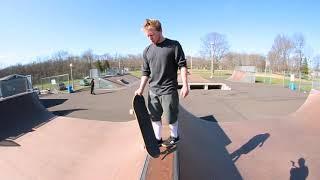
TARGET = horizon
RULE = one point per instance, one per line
(36, 30)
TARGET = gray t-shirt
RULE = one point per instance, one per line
(161, 63)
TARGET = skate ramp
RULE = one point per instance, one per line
(20, 114)
(194, 78)
(65, 148)
(123, 80)
(102, 83)
(249, 149)
(237, 76)
(244, 74)
(195, 81)
(71, 148)
(116, 82)
(308, 114)
(311, 105)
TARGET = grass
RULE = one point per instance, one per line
(222, 74)
(136, 73)
(203, 73)
(306, 85)
(274, 79)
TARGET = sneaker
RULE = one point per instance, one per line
(160, 142)
(171, 141)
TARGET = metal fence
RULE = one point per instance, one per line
(55, 83)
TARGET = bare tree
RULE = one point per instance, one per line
(279, 55)
(89, 57)
(299, 43)
(215, 46)
(241, 59)
(316, 62)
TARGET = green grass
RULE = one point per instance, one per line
(306, 85)
(223, 74)
(275, 79)
(268, 80)
(136, 73)
(203, 73)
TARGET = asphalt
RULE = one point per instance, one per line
(251, 132)
(224, 134)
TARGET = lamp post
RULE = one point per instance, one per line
(71, 76)
(211, 49)
(191, 63)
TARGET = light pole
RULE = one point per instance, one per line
(211, 50)
(191, 63)
(71, 76)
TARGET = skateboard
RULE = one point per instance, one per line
(143, 118)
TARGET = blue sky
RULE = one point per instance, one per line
(31, 29)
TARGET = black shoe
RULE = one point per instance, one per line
(160, 142)
(171, 141)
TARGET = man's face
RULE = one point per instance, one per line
(153, 35)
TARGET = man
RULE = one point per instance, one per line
(92, 86)
(162, 59)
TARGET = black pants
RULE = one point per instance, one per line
(92, 88)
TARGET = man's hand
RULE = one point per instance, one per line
(138, 92)
(143, 83)
(184, 91)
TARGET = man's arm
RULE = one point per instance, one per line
(184, 77)
(144, 80)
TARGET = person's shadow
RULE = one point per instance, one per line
(257, 140)
(301, 172)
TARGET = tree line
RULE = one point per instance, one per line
(286, 54)
(59, 63)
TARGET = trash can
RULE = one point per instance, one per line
(292, 86)
(69, 88)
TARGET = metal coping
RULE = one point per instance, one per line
(176, 168)
(16, 95)
(145, 168)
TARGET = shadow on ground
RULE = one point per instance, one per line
(202, 149)
(66, 112)
(21, 115)
(299, 172)
(256, 141)
(48, 103)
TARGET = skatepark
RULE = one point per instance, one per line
(252, 131)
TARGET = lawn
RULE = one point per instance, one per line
(273, 79)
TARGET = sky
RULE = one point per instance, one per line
(36, 29)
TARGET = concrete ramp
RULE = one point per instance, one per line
(311, 105)
(244, 74)
(197, 82)
(123, 80)
(308, 114)
(269, 149)
(70, 148)
(20, 114)
(44, 146)
(237, 76)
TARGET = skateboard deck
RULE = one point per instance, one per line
(143, 118)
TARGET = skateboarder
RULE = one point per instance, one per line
(162, 59)
(92, 86)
